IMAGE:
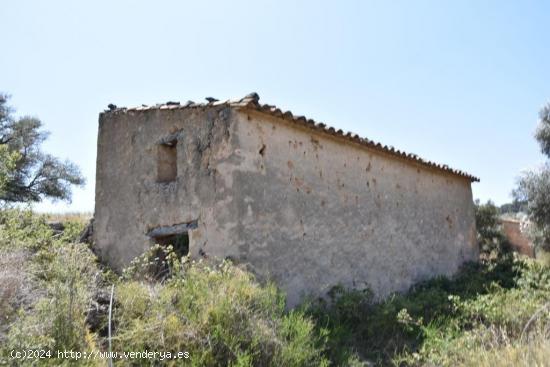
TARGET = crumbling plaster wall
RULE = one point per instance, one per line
(129, 200)
(300, 207)
(314, 211)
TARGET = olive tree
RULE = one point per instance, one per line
(534, 186)
(26, 173)
(543, 130)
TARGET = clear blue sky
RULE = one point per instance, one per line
(455, 82)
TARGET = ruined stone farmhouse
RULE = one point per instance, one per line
(299, 202)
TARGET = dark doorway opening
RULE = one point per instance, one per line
(179, 242)
(161, 264)
(177, 236)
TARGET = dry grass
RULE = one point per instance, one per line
(15, 286)
(536, 353)
(543, 257)
(81, 217)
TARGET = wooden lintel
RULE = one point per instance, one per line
(172, 230)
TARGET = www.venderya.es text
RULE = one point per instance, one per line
(26, 354)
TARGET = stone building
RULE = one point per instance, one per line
(301, 203)
(515, 232)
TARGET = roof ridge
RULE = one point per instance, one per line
(252, 101)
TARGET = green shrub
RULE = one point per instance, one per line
(158, 263)
(60, 279)
(439, 321)
(495, 312)
(67, 282)
(217, 313)
(71, 232)
(490, 238)
(21, 229)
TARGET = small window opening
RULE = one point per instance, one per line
(167, 165)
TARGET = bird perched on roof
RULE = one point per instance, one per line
(211, 99)
(111, 106)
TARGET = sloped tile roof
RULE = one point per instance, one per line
(251, 101)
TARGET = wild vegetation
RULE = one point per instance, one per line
(54, 295)
(53, 292)
(217, 313)
(534, 186)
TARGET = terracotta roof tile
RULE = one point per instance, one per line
(251, 101)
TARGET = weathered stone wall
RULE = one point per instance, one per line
(300, 207)
(129, 200)
(518, 240)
